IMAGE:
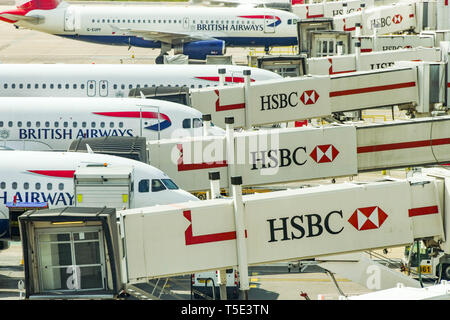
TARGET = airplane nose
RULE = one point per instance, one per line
(185, 196)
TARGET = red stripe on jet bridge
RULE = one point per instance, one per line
(372, 89)
(227, 79)
(55, 173)
(197, 166)
(403, 145)
(190, 239)
(366, 50)
(414, 212)
(228, 106)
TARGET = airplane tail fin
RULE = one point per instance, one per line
(29, 5)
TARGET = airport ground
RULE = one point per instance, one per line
(269, 282)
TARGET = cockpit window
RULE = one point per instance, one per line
(157, 185)
(187, 123)
(198, 123)
(144, 185)
(169, 184)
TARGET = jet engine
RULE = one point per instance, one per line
(200, 49)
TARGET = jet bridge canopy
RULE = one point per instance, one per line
(71, 253)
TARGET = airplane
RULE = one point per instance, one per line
(51, 124)
(113, 80)
(42, 176)
(195, 31)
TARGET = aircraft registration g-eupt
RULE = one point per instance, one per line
(113, 80)
(196, 31)
(51, 124)
(39, 176)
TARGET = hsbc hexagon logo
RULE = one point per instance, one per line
(368, 218)
(324, 153)
(397, 19)
(309, 97)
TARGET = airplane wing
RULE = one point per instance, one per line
(164, 36)
(17, 17)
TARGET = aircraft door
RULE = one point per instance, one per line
(91, 88)
(186, 23)
(269, 24)
(103, 88)
(69, 19)
(151, 123)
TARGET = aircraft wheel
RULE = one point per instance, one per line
(159, 60)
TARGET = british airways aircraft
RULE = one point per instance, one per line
(40, 176)
(51, 124)
(195, 31)
(113, 80)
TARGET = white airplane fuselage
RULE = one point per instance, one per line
(149, 26)
(41, 124)
(32, 176)
(113, 80)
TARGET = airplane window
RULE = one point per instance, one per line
(129, 20)
(3, 185)
(170, 21)
(37, 186)
(198, 123)
(93, 124)
(74, 124)
(102, 124)
(138, 86)
(144, 185)
(49, 186)
(98, 20)
(192, 86)
(56, 124)
(123, 20)
(154, 21)
(82, 86)
(179, 21)
(19, 124)
(47, 124)
(93, 20)
(65, 124)
(103, 20)
(67, 86)
(5, 86)
(139, 21)
(115, 86)
(36, 85)
(83, 124)
(200, 86)
(59, 86)
(187, 123)
(28, 86)
(61, 186)
(169, 184)
(130, 86)
(1, 123)
(153, 85)
(21, 86)
(14, 185)
(157, 185)
(52, 85)
(91, 86)
(26, 185)
(111, 124)
(74, 85)
(145, 85)
(107, 20)
(159, 21)
(113, 21)
(120, 124)
(44, 86)
(38, 124)
(13, 86)
(10, 123)
(134, 21)
(122, 86)
(28, 124)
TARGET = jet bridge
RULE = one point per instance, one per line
(315, 96)
(305, 153)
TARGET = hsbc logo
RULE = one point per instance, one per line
(397, 19)
(285, 157)
(368, 218)
(309, 97)
(283, 100)
(324, 153)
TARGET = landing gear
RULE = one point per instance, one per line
(266, 50)
(159, 59)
